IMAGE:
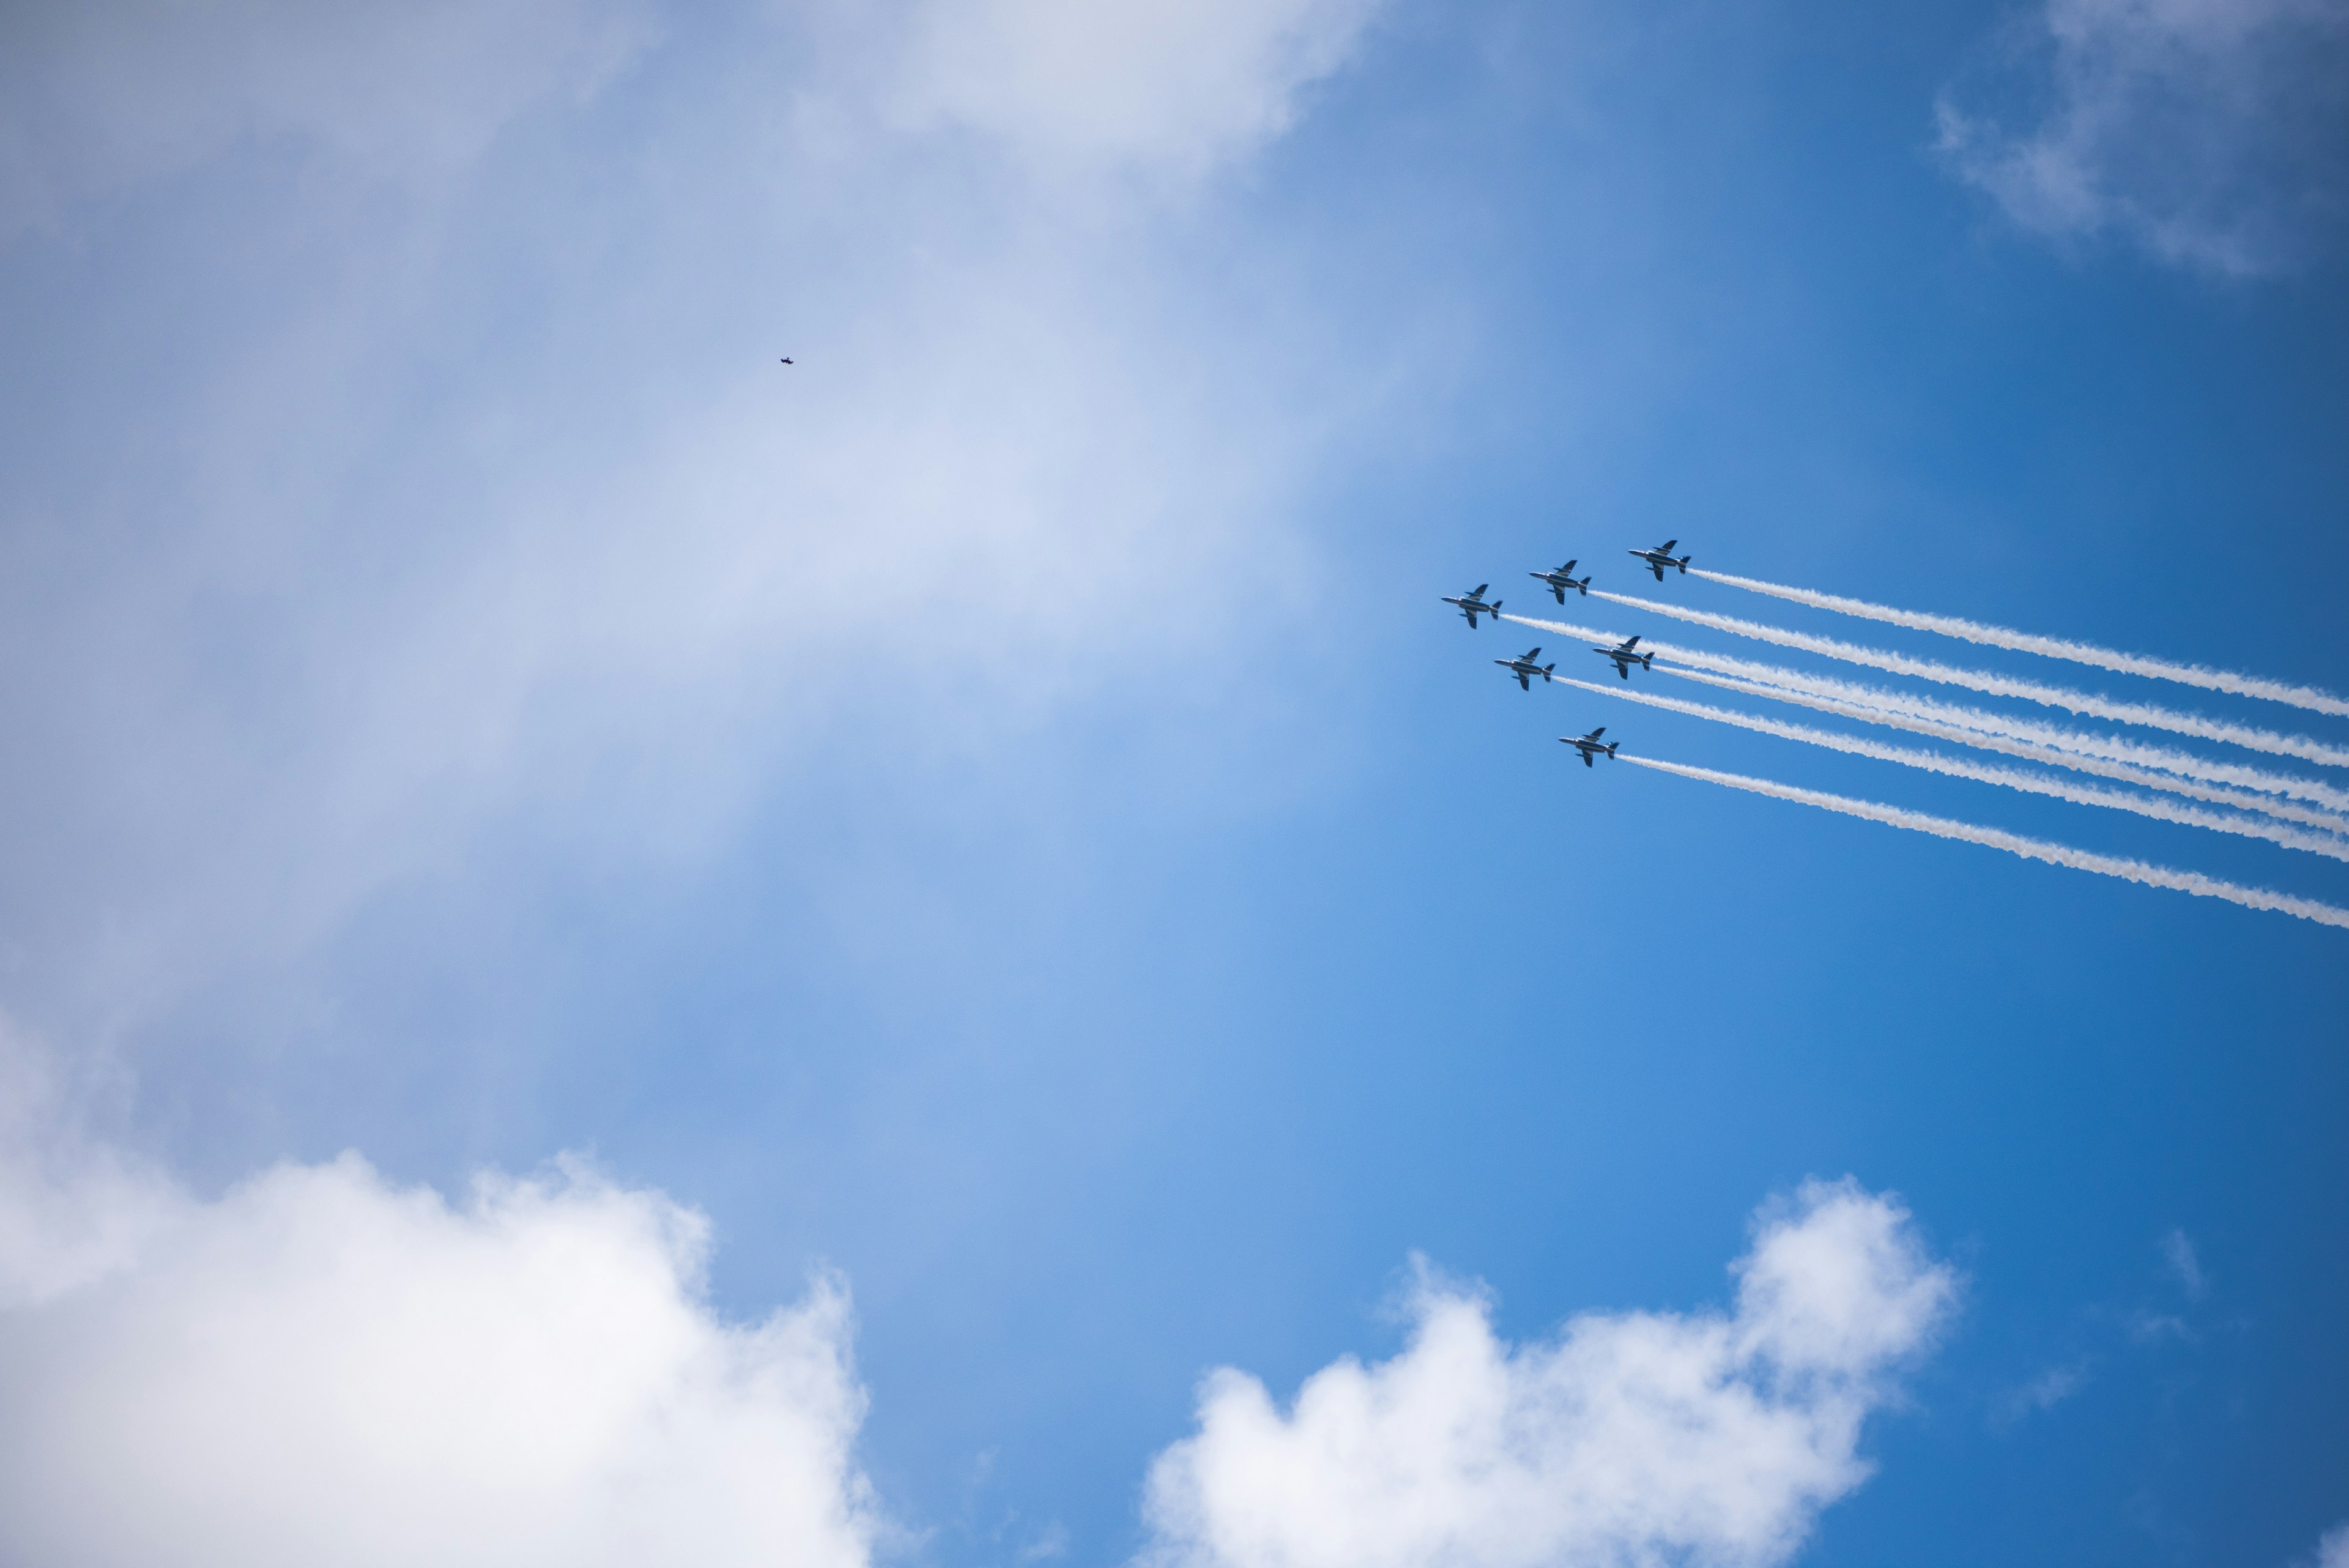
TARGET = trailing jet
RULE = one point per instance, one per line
(1661, 556)
(1625, 658)
(1525, 669)
(1561, 580)
(1588, 745)
(1471, 604)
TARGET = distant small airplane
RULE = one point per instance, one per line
(1525, 669)
(787, 359)
(1661, 556)
(1561, 580)
(1588, 745)
(1471, 604)
(1625, 658)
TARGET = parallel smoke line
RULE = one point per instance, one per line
(2307, 696)
(2138, 871)
(1954, 767)
(2085, 705)
(2122, 773)
(2166, 758)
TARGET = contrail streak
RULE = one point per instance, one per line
(2307, 696)
(1955, 767)
(2167, 759)
(2085, 705)
(2124, 773)
(2014, 844)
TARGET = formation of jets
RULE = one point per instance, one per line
(1623, 655)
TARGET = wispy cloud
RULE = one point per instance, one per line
(2177, 1251)
(1627, 1437)
(2040, 1394)
(1177, 86)
(2208, 131)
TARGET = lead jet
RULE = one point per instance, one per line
(1561, 580)
(1589, 746)
(1525, 669)
(1471, 604)
(1661, 556)
(1625, 658)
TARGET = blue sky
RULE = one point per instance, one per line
(994, 819)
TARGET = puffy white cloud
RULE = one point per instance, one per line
(320, 1366)
(2333, 1548)
(1632, 1437)
(2206, 130)
(1170, 84)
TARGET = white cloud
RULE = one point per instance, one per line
(2204, 130)
(2333, 1548)
(1181, 84)
(2177, 1251)
(320, 1366)
(1633, 1437)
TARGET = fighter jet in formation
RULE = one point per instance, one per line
(1524, 668)
(1471, 604)
(1661, 556)
(1561, 580)
(1624, 657)
(1589, 745)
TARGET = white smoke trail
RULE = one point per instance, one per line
(2124, 773)
(2085, 705)
(2016, 844)
(2166, 758)
(2307, 696)
(1956, 767)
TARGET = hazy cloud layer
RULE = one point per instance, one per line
(347, 524)
(1632, 1437)
(2208, 131)
(320, 1366)
(97, 97)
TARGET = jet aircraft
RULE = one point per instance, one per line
(1625, 658)
(787, 359)
(1471, 604)
(1525, 669)
(1661, 556)
(1561, 580)
(1589, 745)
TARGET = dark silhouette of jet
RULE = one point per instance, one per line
(1590, 744)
